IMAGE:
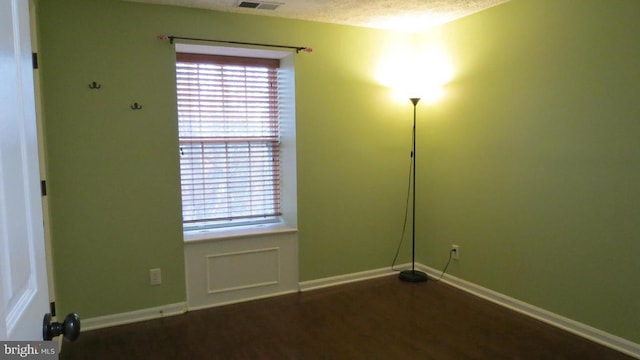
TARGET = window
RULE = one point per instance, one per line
(229, 139)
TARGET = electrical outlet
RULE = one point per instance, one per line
(455, 252)
(155, 276)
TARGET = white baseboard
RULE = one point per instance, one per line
(598, 336)
(345, 279)
(133, 316)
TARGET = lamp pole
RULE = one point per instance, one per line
(413, 275)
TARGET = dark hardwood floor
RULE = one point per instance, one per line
(376, 319)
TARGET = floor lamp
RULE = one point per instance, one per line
(413, 275)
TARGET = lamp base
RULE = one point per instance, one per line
(413, 276)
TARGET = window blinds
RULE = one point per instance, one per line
(229, 138)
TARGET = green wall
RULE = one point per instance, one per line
(113, 172)
(534, 157)
(529, 162)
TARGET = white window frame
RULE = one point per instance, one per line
(288, 176)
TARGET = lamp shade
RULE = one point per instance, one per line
(419, 73)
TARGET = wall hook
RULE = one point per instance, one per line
(136, 106)
(94, 85)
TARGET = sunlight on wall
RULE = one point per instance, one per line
(415, 71)
(411, 21)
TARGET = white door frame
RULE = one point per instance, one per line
(41, 149)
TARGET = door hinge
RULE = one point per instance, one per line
(43, 187)
(34, 59)
(52, 308)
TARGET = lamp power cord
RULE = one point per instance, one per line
(406, 211)
(406, 219)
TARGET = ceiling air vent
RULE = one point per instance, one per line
(258, 5)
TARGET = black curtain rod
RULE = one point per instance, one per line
(171, 38)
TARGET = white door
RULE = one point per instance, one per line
(23, 275)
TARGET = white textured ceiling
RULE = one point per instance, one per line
(405, 15)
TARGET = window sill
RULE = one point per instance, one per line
(195, 236)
